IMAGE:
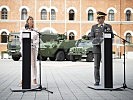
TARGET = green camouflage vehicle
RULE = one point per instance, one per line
(57, 49)
(13, 46)
(54, 46)
(83, 50)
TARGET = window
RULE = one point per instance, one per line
(4, 13)
(71, 36)
(71, 14)
(23, 14)
(128, 37)
(90, 15)
(128, 15)
(43, 14)
(3, 37)
(111, 15)
(53, 14)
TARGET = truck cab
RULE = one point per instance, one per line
(82, 50)
(13, 46)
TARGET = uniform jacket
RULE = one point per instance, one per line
(97, 31)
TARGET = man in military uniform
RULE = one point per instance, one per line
(96, 34)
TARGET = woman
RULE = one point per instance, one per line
(34, 46)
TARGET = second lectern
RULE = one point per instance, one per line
(107, 62)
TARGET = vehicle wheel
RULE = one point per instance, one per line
(90, 57)
(16, 57)
(44, 58)
(52, 58)
(60, 56)
(38, 57)
(72, 58)
(67, 57)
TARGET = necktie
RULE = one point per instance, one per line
(101, 25)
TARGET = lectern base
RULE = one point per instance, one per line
(100, 87)
(36, 88)
(24, 90)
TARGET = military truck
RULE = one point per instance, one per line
(13, 46)
(83, 50)
(57, 49)
(52, 46)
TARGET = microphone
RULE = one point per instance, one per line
(26, 26)
(114, 34)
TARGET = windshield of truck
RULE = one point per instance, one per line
(15, 42)
(84, 44)
(14, 39)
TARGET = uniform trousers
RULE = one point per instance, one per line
(97, 59)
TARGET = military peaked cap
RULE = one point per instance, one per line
(100, 14)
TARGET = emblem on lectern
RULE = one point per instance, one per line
(108, 29)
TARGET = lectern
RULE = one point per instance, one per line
(26, 63)
(107, 63)
(26, 60)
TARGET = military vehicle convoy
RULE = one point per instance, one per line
(56, 50)
(83, 50)
(52, 46)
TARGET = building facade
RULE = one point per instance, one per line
(73, 17)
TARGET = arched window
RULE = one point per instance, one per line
(4, 37)
(23, 14)
(43, 14)
(129, 37)
(90, 15)
(53, 14)
(4, 13)
(111, 15)
(71, 36)
(128, 15)
(71, 14)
